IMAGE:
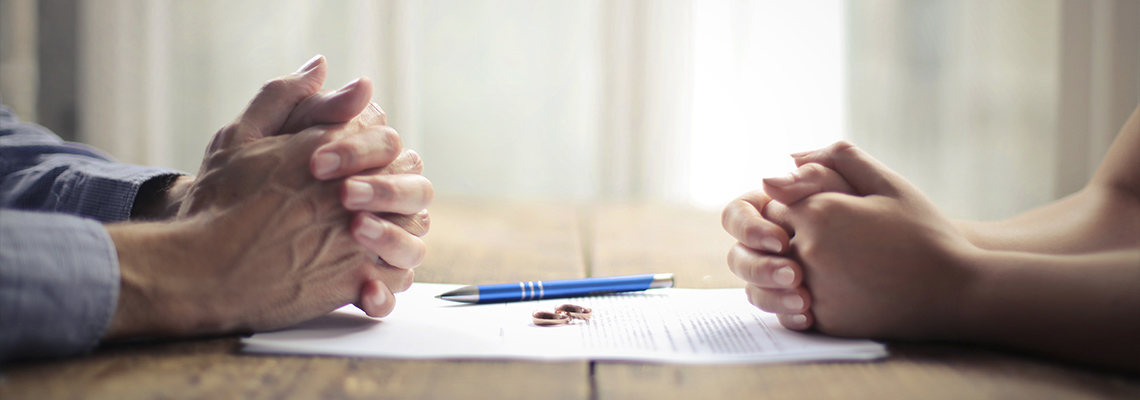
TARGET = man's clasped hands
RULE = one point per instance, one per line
(302, 204)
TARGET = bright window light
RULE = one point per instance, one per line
(769, 80)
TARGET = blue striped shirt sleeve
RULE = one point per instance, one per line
(59, 271)
(41, 172)
(59, 284)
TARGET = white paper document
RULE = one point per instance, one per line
(711, 326)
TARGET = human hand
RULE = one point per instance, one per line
(365, 155)
(391, 220)
(386, 179)
(259, 244)
(774, 276)
(231, 174)
(880, 263)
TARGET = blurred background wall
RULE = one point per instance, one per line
(991, 107)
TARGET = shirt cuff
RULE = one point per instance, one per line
(109, 195)
(59, 284)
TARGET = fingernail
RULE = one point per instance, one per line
(357, 193)
(772, 244)
(309, 65)
(802, 153)
(781, 181)
(799, 319)
(371, 229)
(793, 302)
(349, 86)
(784, 276)
(326, 163)
(379, 299)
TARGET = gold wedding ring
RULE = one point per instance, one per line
(574, 311)
(548, 318)
(562, 315)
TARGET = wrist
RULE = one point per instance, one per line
(977, 233)
(978, 263)
(155, 297)
(960, 292)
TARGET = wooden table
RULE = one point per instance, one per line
(481, 241)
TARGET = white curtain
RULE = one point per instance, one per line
(550, 99)
(990, 107)
(159, 77)
(19, 79)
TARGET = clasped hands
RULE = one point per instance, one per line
(304, 203)
(848, 247)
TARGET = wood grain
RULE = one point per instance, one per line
(482, 241)
(657, 238)
(475, 242)
(913, 371)
(214, 368)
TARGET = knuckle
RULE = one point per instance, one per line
(419, 255)
(845, 149)
(752, 274)
(728, 215)
(746, 265)
(391, 138)
(756, 199)
(767, 300)
(371, 115)
(385, 192)
(808, 252)
(353, 152)
(326, 137)
(389, 238)
(754, 232)
(842, 145)
(773, 211)
(409, 277)
(414, 160)
(734, 263)
(275, 85)
(753, 294)
(423, 219)
(819, 207)
(415, 224)
(813, 171)
(428, 192)
(375, 108)
(379, 144)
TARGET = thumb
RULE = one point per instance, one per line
(808, 179)
(269, 109)
(334, 108)
(866, 174)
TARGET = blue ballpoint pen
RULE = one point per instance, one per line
(536, 290)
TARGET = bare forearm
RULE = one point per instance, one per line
(1096, 219)
(147, 306)
(1078, 307)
